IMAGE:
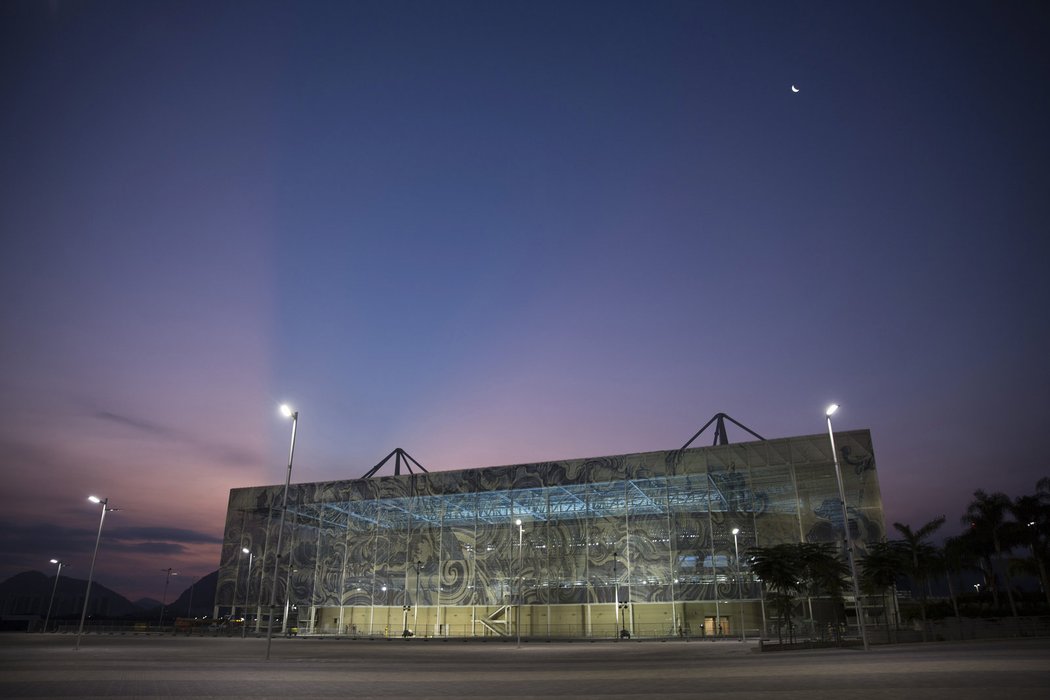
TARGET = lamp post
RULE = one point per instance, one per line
(415, 601)
(621, 608)
(845, 529)
(47, 618)
(247, 589)
(169, 572)
(386, 612)
(404, 618)
(287, 412)
(189, 606)
(616, 588)
(517, 608)
(104, 502)
(739, 584)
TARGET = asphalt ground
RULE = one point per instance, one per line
(46, 666)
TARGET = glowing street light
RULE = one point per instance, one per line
(845, 529)
(739, 584)
(616, 590)
(247, 588)
(287, 412)
(415, 610)
(54, 588)
(189, 605)
(104, 502)
(517, 621)
(164, 598)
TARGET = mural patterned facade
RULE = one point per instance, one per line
(648, 528)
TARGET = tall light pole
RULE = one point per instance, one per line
(739, 584)
(287, 412)
(517, 621)
(189, 606)
(621, 608)
(47, 618)
(415, 612)
(616, 592)
(168, 573)
(845, 529)
(104, 502)
(247, 589)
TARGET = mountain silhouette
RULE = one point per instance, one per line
(27, 595)
(200, 595)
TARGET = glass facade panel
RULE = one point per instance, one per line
(639, 544)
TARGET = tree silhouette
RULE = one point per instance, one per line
(1031, 530)
(986, 516)
(780, 570)
(880, 567)
(957, 554)
(789, 570)
(919, 558)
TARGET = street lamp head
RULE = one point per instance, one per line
(287, 411)
(94, 499)
(54, 561)
(831, 410)
(246, 550)
(736, 531)
(518, 522)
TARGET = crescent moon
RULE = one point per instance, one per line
(794, 89)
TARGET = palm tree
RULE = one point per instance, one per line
(1031, 530)
(788, 570)
(980, 551)
(956, 554)
(920, 555)
(780, 570)
(880, 568)
(986, 516)
(824, 573)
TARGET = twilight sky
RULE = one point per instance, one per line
(500, 232)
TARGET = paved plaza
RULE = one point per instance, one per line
(46, 666)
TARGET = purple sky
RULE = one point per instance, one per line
(499, 232)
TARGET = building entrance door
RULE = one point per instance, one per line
(721, 629)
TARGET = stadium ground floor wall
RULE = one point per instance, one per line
(811, 618)
(698, 619)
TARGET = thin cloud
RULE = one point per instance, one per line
(165, 534)
(153, 547)
(52, 540)
(216, 452)
(137, 424)
(231, 455)
(55, 540)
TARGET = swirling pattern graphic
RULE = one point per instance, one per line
(645, 528)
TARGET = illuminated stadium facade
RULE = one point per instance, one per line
(638, 544)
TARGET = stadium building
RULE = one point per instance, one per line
(643, 544)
